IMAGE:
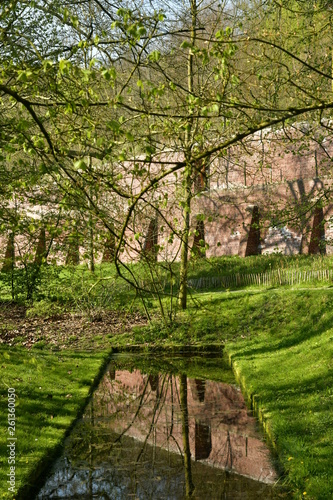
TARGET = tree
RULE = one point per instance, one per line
(128, 97)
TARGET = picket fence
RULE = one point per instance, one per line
(277, 277)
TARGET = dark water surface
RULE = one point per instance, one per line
(145, 412)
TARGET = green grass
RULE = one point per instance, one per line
(285, 365)
(280, 342)
(229, 265)
(50, 388)
(68, 286)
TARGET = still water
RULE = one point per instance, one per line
(164, 428)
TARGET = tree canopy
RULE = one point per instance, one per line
(103, 102)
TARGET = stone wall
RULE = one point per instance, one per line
(270, 194)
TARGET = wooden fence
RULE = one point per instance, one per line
(272, 278)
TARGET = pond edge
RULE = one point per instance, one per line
(37, 477)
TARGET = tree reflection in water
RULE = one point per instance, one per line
(189, 486)
(137, 434)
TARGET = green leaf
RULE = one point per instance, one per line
(149, 149)
(47, 64)
(113, 125)
(142, 31)
(69, 108)
(214, 108)
(66, 15)
(80, 165)
(93, 62)
(75, 21)
(154, 56)
(109, 74)
(185, 45)
(234, 80)
(64, 66)
(43, 168)
(23, 76)
(124, 13)
(129, 136)
(38, 142)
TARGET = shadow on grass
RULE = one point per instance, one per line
(52, 390)
(277, 322)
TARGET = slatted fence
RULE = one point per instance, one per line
(277, 277)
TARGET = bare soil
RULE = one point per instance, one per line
(68, 330)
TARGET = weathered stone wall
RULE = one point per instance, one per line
(229, 216)
(269, 194)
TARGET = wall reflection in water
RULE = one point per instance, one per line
(163, 436)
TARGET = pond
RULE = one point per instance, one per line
(163, 428)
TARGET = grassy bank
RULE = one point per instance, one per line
(285, 365)
(76, 288)
(50, 389)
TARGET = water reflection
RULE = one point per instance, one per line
(163, 436)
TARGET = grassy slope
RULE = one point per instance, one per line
(51, 389)
(68, 286)
(256, 264)
(285, 364)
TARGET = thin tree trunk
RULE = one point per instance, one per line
(91, 246)
(185, 240)
(188, 171)
(40, 254)
(9, 260)
(91, 263)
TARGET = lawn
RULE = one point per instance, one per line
(51, 388)
(286, 371)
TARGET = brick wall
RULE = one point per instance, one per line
(258, 197)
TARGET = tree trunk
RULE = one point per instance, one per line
(40, 254)
(188, 170)
(91, 262)
(185, 240)
(9, 260)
